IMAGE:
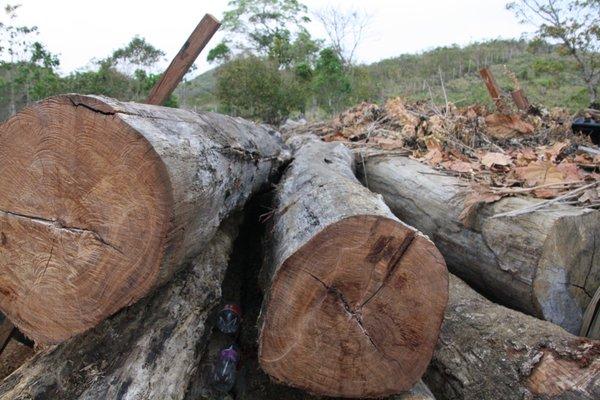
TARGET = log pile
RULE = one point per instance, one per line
(122, 236)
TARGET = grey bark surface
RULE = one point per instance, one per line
(148, 351)
(317, 195)
(318, 190)
(545, 263)
(215, 163)
(487, 351)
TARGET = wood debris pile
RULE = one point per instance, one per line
(505, 154)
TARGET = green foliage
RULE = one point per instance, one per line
(547, 78)
(272, 73)
(273, 28)
(330, 82)
(27, 68)
(254, 88)
(136, 55)
(220, 53)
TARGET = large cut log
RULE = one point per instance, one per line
(354, 298)
(545, 263)
(148, 351)
(101, 202)
(488, 352)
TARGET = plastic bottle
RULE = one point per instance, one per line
(225, 369)
(229, 319)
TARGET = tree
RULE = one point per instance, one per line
(575, 25)
(136, 55)
(124, 75)
(268, 59)
(345, 31)
(27, 68)
(253, 87)
(330, 81)
(262, 28)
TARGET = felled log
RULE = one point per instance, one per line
(353, 297)
(102, 201)
(546, 264)
(148, 351)
(487, 351)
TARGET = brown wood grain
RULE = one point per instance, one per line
(493, 89)
(354, 297)
(101, 202)
(520, 99)
(183, 60)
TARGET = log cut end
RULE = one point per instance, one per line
(356, 311)
(84, 216)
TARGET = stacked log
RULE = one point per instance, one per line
(487, 351)
(543, 263)
(148, 351)
(103, 201)
(354, 298)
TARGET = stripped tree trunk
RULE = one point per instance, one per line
(101, 202)
(546, 264)
(148, 351)
(353, 297)
(487, 351)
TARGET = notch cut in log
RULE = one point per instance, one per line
(102, 201)
(354, 298)
(546, 264)
(487, 351)
(182, 62)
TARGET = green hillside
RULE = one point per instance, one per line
(547, 77)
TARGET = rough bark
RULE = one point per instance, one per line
(148, 351)
(545, 263)
(487, 351)
(102, 201)
(353, 297)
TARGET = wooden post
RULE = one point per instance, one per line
(493, 89)
(520, 100)
(183, 60)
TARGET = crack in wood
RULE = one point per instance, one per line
(393, 264)
(355, 315)
(56, 224)
(87, 106)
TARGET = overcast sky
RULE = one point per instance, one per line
(81, 30)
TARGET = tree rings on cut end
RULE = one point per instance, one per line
(85, 204)
(356, 311)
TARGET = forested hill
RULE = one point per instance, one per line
(547, 76)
